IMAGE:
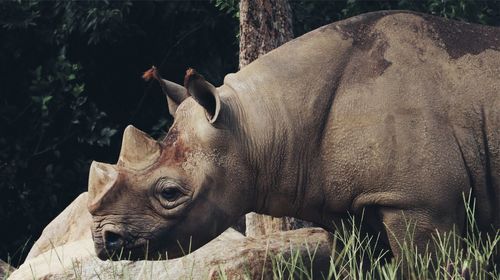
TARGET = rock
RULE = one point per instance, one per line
(5, 269)
(230, 256)
(71, 225)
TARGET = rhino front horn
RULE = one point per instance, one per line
(138, 149)
(102, 177)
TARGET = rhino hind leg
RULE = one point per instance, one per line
(415, 228)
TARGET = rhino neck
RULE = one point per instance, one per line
(261, 138)
(280, 136)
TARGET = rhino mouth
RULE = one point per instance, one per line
(136, 249)
(132, 251)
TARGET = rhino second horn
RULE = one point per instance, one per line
(102, 177)
(138, 149)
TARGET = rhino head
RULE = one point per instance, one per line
(174, 195)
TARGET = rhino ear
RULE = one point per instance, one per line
(204, 93)
(175, 93)
(138, 149)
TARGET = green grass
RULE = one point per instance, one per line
(353, 256)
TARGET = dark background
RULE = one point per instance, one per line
(70, 82)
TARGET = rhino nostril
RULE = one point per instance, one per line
(113, 240)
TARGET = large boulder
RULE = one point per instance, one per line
(71, 225)
(230, 256)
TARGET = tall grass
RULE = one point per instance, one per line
(471, 256)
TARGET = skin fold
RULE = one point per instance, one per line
(393, 113)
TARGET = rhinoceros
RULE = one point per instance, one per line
(396, 114)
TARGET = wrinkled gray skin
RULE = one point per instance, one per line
(393, 112)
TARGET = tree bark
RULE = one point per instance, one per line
(264, 26)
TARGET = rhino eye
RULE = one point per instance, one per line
(170, 194)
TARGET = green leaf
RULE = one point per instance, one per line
(78, 89)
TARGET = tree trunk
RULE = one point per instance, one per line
(264, 26)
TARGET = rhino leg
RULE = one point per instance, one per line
(416, 228)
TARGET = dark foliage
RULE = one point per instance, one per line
(70, 82)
